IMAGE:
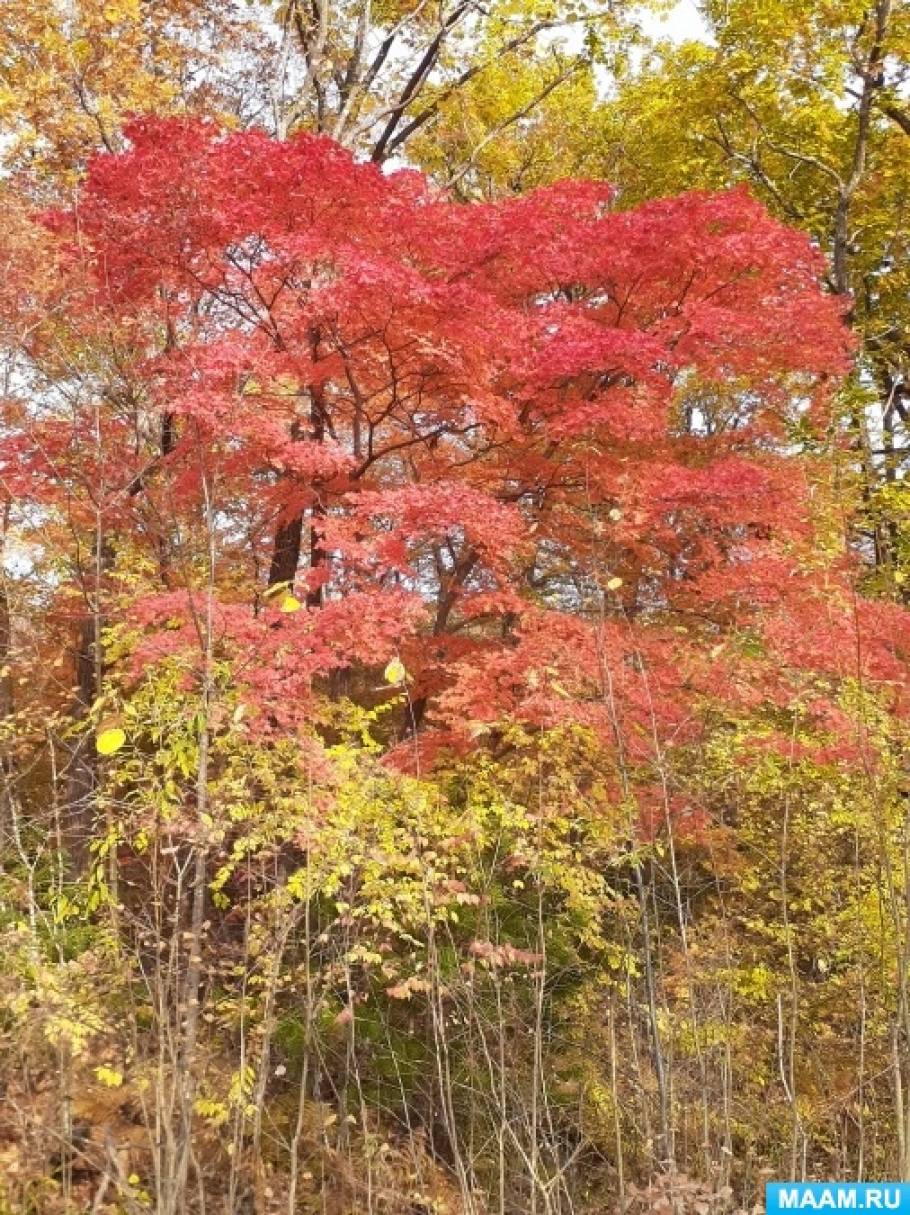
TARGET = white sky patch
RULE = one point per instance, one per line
(675, 23)
(680, 22)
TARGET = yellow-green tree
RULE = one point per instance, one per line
(70, 72)
(376, 76)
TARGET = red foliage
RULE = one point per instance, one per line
(485, 416)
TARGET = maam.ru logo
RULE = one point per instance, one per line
(837, 1196)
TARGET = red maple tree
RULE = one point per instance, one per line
(545, 449)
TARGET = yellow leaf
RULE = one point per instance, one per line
(109, 741)
(109, 1076)
(290, 603)
(395, 672)
(614, 584)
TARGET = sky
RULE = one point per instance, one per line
(678, 23)
(681, 22)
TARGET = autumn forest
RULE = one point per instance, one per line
(454, 604)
